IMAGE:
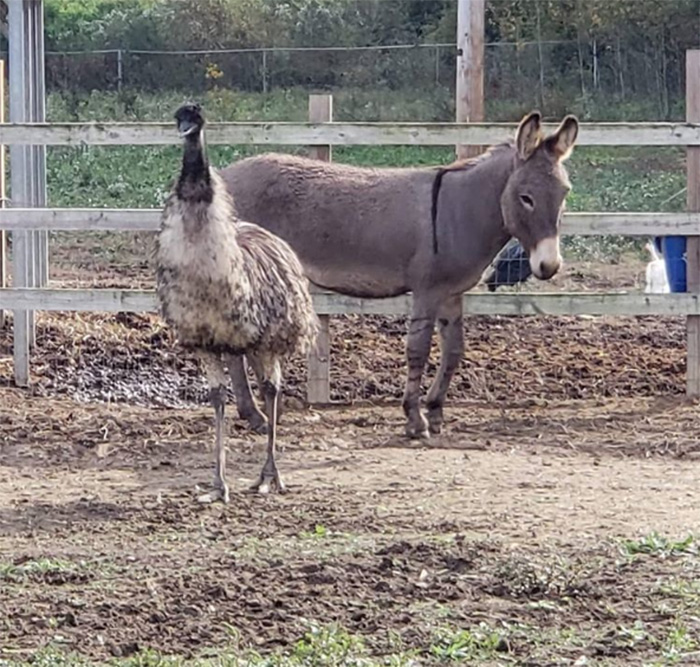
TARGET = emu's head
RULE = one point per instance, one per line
(189, 119)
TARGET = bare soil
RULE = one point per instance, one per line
(508, 518)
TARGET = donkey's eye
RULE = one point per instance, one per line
(527, 202)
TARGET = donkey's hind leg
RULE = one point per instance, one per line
(269, 371)
(451, 332)
(420, 334)
(247, 407)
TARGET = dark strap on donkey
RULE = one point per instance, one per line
(437, 183)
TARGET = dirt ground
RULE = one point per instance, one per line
(558, 509)
(511, 518)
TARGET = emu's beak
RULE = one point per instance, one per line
(185, 128)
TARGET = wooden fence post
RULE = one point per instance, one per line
(469, 102)
(692, 115)
(318, 389)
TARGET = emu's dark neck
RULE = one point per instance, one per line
(194, 184)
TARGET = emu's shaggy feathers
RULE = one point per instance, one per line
(227, 285)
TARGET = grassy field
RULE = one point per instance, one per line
(619, 179)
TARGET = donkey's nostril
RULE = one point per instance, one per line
(547, 270)
(545, 259)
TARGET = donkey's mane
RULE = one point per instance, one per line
(464, 164)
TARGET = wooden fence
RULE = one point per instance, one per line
(322, 135)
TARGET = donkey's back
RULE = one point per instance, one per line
(356, 230)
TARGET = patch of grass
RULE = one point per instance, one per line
(38, 569)
(319, 531)
(682, 589)
(320, 541)
(630, 636)
(657, 545)
(321, 646)
(678, 643)
(480, 642)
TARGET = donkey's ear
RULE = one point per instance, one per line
(529, 134)
(561, 143)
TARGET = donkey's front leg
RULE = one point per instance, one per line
(451, 332)
(247, 407)
(420, 333)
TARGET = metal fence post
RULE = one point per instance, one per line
(27, 164)
(120, 69)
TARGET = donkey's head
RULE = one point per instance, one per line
(533, 199)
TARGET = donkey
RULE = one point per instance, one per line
(431, 231)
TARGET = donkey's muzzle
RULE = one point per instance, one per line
(545, 258)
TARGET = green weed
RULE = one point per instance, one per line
(658, 545)
(678, 642)
(36, 569)
(319, 531)
(321, 646)
(468, 644)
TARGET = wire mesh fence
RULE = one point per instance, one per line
(551, 74)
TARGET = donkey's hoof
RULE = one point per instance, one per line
(435, 420)
(256, 422)
(435, 428)
(420, 433)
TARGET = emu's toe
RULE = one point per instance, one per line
(221, 494)
(268, 483)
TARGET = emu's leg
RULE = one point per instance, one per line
(452, 349)
(420, 333)
(216, 377)
(271, 378)
(247, 408)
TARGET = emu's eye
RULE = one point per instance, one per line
(527, 202)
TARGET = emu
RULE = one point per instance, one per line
(228, 288)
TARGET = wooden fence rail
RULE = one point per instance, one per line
(146, 219)
(339, 134)
(331, 303)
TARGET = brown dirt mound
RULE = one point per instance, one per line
(132, 358)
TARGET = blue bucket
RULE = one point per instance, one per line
(673, 250)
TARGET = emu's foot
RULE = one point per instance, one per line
(220, 493)
(269, 481)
